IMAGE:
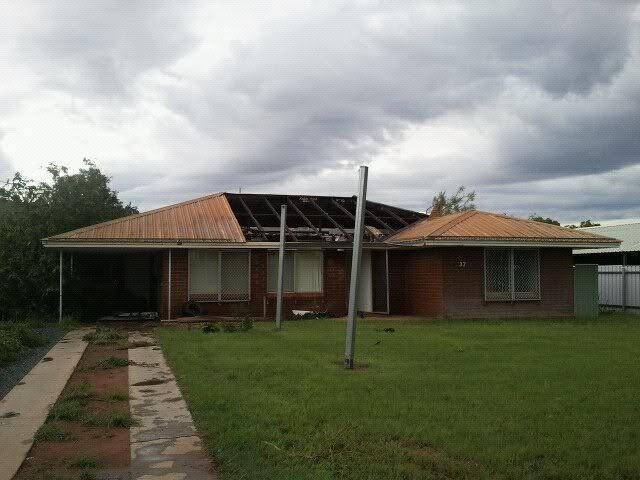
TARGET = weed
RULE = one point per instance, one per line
(80, 392)
(104, 336)
(67, 410)
(86, 475)
(50, 433)
(229, 327)
(210, 328)
(115, 396)
(246, 323)
(82, 460)
(111, 420)
(112, 362)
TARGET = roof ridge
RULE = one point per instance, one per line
(136, 215)
(453, 222)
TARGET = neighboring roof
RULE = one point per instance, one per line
(207, 218)
(628, 233)
(485, 227)
(240, 218)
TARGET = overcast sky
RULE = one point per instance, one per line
(535, 105)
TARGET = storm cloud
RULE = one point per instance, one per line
(535, 105)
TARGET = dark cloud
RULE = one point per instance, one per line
(322, 89)
(100, 47)
(544, 97)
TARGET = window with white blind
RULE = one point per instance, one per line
(511, 274)
(302, 271)
(219, 275)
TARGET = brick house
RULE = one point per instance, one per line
(218, 255)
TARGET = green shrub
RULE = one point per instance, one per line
(229, 327)
(246, 323)
(29, 337)
(10, 346)
(210, 328)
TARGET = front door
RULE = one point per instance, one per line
(379, 284)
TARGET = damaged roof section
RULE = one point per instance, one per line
(240, 218)
(315, 218)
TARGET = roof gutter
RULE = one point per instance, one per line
(195, 245)
(503, 243)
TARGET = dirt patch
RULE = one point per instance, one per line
(9, 415)
(109, 447)
(46, 359)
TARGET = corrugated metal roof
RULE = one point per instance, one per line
(628, 233)
(484, 226)
(207, 218)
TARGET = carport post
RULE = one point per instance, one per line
(60, 291)
(283, 225)
(355, 268)
(169, 292)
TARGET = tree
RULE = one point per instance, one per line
(32, 211)
(537, 218)
(584, 224)
(461, 201)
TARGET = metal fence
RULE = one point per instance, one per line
(619, 285)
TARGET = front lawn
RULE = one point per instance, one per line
(474, 399)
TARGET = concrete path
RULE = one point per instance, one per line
(165, 445)
(24, 409)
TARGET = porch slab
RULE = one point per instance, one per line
(165, 443)
(24, 409)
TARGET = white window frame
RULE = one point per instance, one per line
(294, 251)
(511, 275)
(220, 299)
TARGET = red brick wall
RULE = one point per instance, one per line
(464, 286)
(415, 282)
(333, 299)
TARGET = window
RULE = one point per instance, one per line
(511, 274)
(302, 271)
(216, 275)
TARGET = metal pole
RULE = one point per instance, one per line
(60, 291)
(624, 281)
(169, 293)
(355, 268)
(283, 225)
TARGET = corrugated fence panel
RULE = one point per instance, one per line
(611, 281)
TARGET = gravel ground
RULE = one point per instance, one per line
(12, 373)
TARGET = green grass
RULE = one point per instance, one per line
(474, 399)
(110, 420)
(112, 362)
(114, 396)
(50, 433)
(82, 461)
(66, 410)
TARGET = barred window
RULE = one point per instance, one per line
(302, 271)
(511, 274)
(216, 275)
